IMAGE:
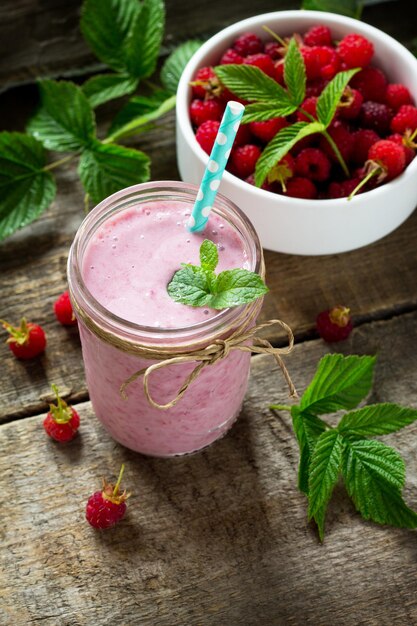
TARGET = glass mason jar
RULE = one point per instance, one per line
(114, 349)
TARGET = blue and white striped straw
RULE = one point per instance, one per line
(215, 166)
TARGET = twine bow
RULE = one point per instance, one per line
(217, 350)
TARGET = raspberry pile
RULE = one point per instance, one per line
(374, 126)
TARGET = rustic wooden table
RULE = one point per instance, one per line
(221, 537)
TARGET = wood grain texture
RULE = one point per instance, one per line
(217, 538)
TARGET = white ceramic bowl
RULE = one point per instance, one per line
(294, 225)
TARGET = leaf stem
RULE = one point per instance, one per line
(337, 152)
(135, 125)
(280, 407)
(55, 164)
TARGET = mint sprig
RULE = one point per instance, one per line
(373, 473)
(199, 285)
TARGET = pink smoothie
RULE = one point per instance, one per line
(126, 266)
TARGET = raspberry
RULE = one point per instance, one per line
(310, 106)
(204, 110)
(405, 119)
(376, 116)
(265, 185)
(342, 138)
(334, 324)
(320, 62)
(107, 507)
(243, 135)
(344, 188)
(231, 57)
(388, 157)
(396, 95)
(355, 51)
(63, 310)
(206, 134)
(248, 43)
(372, 84)
(364, 138)
(27, 340)
(299, 187)
(350, 104)
(274, 50)
(262, 61)
(243, 159)
(279, 72)
(62, 421)
(205, 83)
(312, 163)
(267, 130)
(404, 142)
(318, 35)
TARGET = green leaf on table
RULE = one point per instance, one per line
(26, 189)
(189, 287)
(236, 287)
(143, 110)
(330, 96)
(106, 25)
(295, 73)
(65, 121)
(174, 66)
(350, 8)
(107, 168)
(250, 83)
(374, 475)
(263, 111)
(104, 87)
(280, 145)
(324, 472)
(339, 383)
(307, 428)
(144, 38)
(377, 419)
(209, 255)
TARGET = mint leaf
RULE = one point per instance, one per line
(307, 428)
(174, 66)
(324, 472)
(331, 94)
(106, 25)
(209, 256)
(104, 87)
(280, 145)
(189, 287)
(374, 476)
(339, 383)
(107, 168)
(65, 121)
(263, 111)
(26, 189)
(295, 73)
(351, 8)
(144, 38)
(377, 419)
(235, 287)
(141, 111)
(251, 83)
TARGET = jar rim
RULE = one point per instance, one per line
(85, 302)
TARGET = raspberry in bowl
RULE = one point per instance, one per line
(301, 206)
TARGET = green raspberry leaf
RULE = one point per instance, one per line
(106, 25)
(144, 38)
(263, 111)
(174, 66)
(295, 73)
(280, 145)
(104, 87)
(26, 189)
(141, 111)
(331, 94)
(236, 287)
(377, 419)
(107, 168)
(307, 428)
(65, 121)
(374, 475)
(339, 383)
(250, 83)
(324, 472)
(209, 256)
(189, 286)
(351, 8)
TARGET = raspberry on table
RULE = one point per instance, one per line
(231, 57)
(268, 129)
(262, 61)
(396, 95)
(243, 160)
(355, 50)
(63, 310)
(299, 187)
(389, 159)
(350, 104)
(335, 324)
(204, 110)
(107, 507)
(376, 116)
(206, 134)
(318, 35)
(405, 119)
(364, 138)
(27, 340)
(248, 43)
(313, 163)
(62, 421)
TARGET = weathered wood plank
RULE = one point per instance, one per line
(216, 538)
